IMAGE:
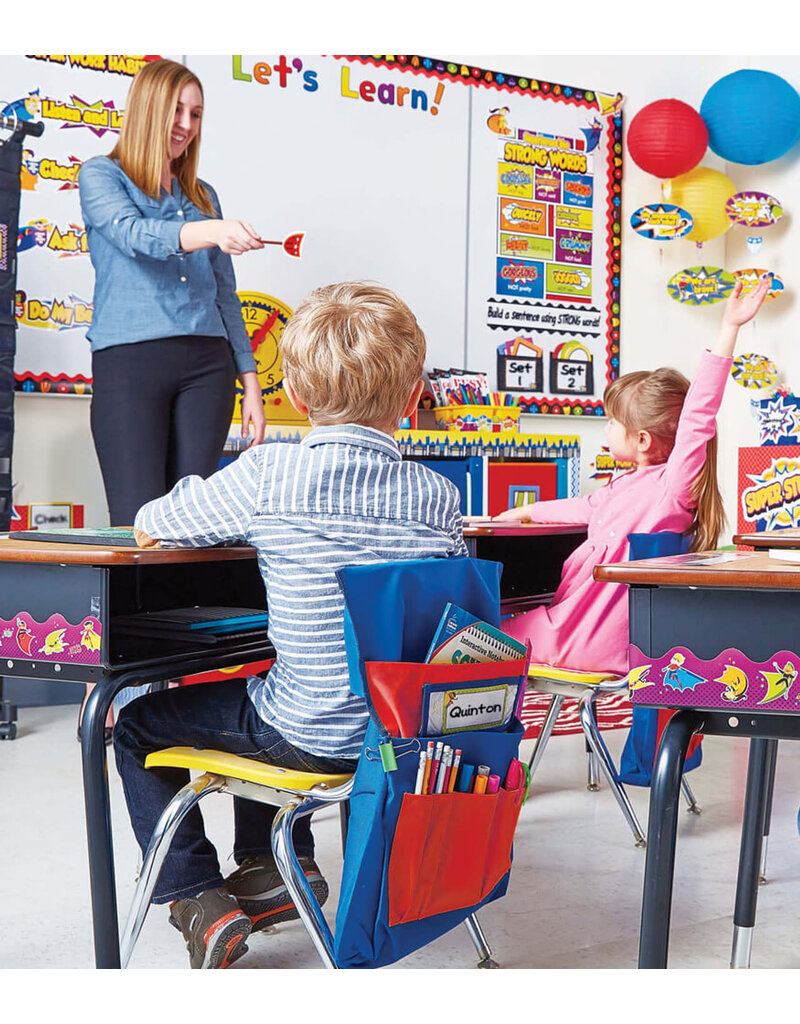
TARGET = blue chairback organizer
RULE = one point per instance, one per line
(417, 866)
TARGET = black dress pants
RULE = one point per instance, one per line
(160, 411)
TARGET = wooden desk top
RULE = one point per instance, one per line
(47, 552)
(50, 552)
(740, 569)
(788, 538)
(480, 527)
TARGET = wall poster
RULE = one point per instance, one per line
(79, 99)
(545, 203)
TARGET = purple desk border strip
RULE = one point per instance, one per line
(731, 680)
(22, 638)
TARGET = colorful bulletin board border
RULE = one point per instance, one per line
(731, 680)
(563, 449)
(47, 384)
(607, 105)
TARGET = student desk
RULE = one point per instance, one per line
(532, 554)
(788, 538)
(58, 604)
(714, 635)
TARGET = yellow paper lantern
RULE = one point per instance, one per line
(703, 192)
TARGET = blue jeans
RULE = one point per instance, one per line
(217, 716)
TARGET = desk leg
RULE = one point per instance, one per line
(98, 823)
(773, 760)
(661, 837)
(760, 770)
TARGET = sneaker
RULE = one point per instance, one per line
(214, 928)
(262, 895)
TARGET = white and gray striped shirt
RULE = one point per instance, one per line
(343, 496)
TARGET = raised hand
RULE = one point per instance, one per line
(740, 309)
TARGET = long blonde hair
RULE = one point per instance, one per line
(652, 401)
(144, 139)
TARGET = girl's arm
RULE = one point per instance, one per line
(108, 208)
(698, 417)
(563, 510)
(232, 237)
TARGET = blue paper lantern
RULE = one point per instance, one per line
(752, 117)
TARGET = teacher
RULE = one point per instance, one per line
(167, 334)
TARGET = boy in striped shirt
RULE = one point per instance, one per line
(352, 358)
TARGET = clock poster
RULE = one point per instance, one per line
(265, 318)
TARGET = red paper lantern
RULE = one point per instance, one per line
(667, 138)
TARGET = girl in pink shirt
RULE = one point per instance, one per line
(668, 429)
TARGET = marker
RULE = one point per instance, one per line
(454, 771)
(423, 760)
(437, 756)
(481, 778)
(514, 776)
(493, 784)
(428, 760)
(465, 777)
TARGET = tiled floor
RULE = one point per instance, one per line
(573, 901)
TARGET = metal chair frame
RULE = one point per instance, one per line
(293, 803)
(597, 752)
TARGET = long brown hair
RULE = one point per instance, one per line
(652, 401)
(143, 145)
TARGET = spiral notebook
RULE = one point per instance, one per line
(461, 638)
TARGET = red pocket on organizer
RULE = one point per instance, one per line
(395, 687)
(449, 851)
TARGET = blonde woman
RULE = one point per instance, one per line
(167, 335)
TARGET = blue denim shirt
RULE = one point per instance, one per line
(145, 285)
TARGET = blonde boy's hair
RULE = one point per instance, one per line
(144, 138)
(353, 352)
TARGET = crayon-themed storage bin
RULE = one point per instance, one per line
(494, 418)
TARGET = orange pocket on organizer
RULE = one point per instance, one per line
(449, 851)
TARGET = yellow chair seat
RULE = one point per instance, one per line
(566, 682)
(217, 762)
(569, 675)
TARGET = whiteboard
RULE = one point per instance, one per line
(380, 189)
(390, 167)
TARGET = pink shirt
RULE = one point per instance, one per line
(586, 626)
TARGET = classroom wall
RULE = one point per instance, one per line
(53, 442)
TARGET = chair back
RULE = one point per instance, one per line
(392, 609)
(657, 545)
